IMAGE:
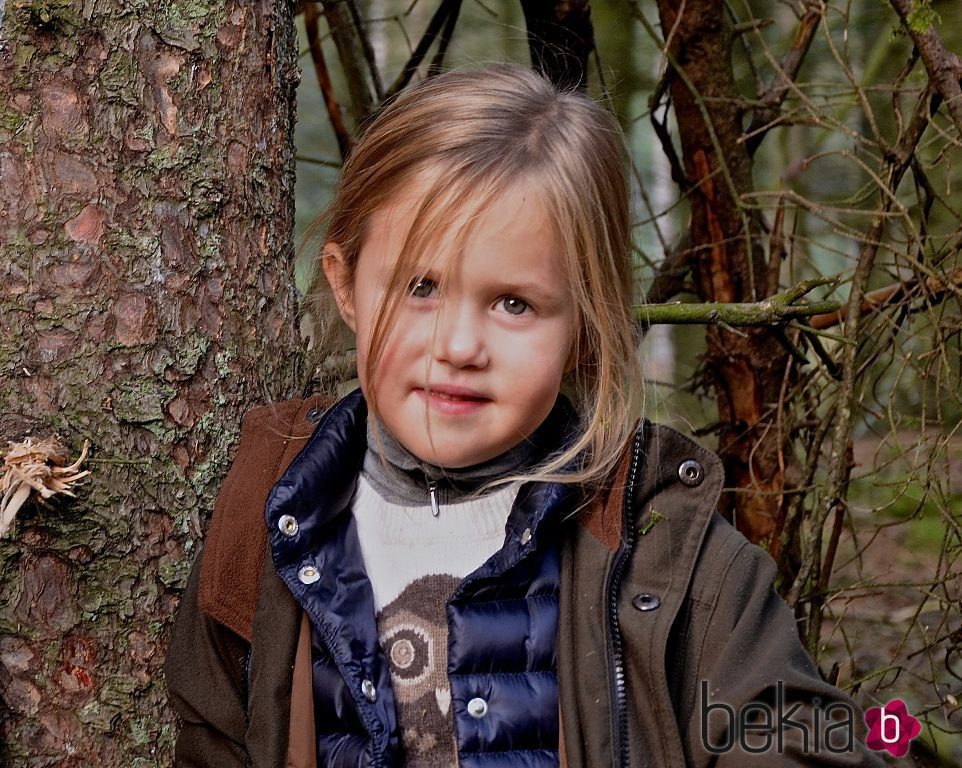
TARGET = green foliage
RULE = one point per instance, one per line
(923, 16)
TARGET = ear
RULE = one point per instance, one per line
(339, 277)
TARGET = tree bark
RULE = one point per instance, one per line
(146, 300)
(747, 368)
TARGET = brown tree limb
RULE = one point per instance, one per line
(434, 29)
(660, 127)
(437, 63)
(889, 296)
(770, 102)
(341, 133)
(368, 49)
(943, 66)
(560, 39)
(348, 39)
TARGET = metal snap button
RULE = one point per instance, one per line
(525, 538)
(308, 574)
(691, 473)
(646, 601)
(369, 691)
(477, 708)
(315, 414)
(287, 524)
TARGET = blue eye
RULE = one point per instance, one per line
(422, 287)
(513, 305)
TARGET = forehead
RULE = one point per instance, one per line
(429, 226)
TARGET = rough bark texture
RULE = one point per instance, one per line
(146, 300)
(747, 368)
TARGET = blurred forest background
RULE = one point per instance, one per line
(796, 189)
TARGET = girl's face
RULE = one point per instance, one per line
(465, 378)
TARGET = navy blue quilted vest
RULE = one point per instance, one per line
(502, 619)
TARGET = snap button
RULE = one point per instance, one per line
(525, 538)
(369, 691)
(308, 574)
(314, 414)
(691, 473)
(646, 601)
(288, 525)
(477, 708)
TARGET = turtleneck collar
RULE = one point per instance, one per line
(400, 477)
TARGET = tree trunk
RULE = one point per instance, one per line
(727, 264)
(146, 300)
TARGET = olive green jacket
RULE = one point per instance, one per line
(669, 627)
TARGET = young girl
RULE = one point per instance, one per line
(465, 567)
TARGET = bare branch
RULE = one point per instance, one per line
(435, 25)
(350, 49)
(367, 48)
(775, 310)
(343, 135)
(766, 114)
(943, 66)
(892, 295)
(811, 584)
(437, 63)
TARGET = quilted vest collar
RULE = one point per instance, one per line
(318, 485)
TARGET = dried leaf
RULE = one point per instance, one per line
(36, 467)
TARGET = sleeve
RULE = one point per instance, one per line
(760, 700)
(204, 670)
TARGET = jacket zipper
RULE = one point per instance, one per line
(433, 493)
(619, 695)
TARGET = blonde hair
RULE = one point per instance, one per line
(471, 134)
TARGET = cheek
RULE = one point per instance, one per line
(400, 353)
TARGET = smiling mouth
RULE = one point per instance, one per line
(454, 397)
(453, 400)
(455, 394)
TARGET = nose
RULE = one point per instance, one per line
(460, 337)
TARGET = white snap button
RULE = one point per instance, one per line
(646, 601)
(288, 525)
(477, 708)
(369, 691)
(308, 574)
(525, 538)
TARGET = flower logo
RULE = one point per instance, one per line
(891, 727)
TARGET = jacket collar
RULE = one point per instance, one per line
(318, 485)
(665, 457)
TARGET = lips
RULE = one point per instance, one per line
(449, 392)
(452, 400)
